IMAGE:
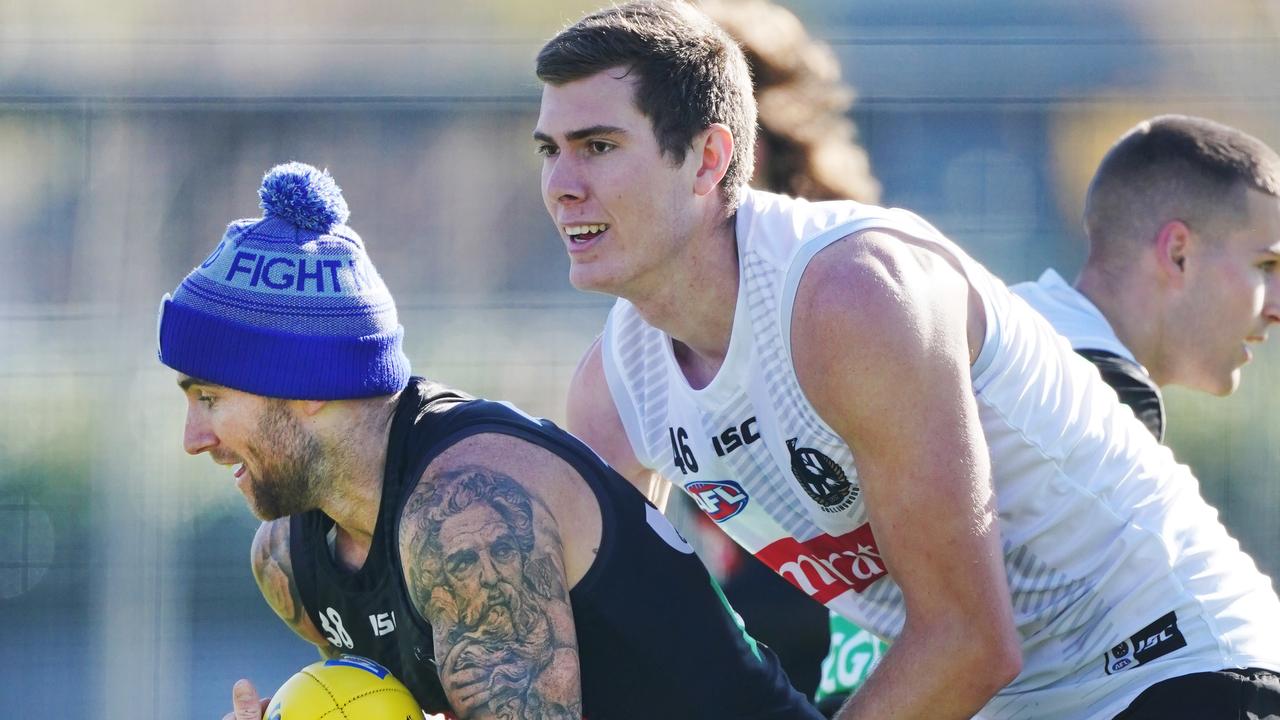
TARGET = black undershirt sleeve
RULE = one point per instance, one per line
(1134, 387)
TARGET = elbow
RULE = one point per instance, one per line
(987, 659)
(1002, 657)
(1011, 666)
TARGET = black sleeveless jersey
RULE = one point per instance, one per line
(1134, 387)
(656, 639)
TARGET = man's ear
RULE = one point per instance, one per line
(1173, 243)
(714, 148)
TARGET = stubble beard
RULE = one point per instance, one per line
(288, 480)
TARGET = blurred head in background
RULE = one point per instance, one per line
(806, 145)
(285, 340)
(1183, 222)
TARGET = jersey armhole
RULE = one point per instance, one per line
(303, 568)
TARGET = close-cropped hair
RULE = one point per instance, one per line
(688, 75)
(1177, 167)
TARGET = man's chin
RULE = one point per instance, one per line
(265, 509)
(584, 277)
(264, 514)
(1232, 384)
(1222, 386)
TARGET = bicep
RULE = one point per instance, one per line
(273, 571)
(593, 418)
(484, 564)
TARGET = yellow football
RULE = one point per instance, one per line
(345, 688)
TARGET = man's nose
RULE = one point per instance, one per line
(197, 436)
(1271, 303)
(564, 183)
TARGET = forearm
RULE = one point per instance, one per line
(948, 672)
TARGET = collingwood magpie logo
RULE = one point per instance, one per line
(822, 478)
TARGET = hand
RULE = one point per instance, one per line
(468, 687)
(245, 702)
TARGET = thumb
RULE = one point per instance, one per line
(244, 698)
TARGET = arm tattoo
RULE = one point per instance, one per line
(273, 570)
(484, 565)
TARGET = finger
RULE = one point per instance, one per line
(473, 695)
(469, 676)
(451, 656)
(245, 701)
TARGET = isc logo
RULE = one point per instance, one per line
(720, 500)
(383, 623)
(1153, 641)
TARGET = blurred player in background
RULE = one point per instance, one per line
(806, 146)
(488, 559)
(1183, 272)
(1029, 547)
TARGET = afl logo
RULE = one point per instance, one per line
(719, 500)
(822, 478)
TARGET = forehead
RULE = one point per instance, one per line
(1261, 226)
(604, 99)
(477, 525)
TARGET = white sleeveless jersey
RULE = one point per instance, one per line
(1072, 314)
(1120, 574)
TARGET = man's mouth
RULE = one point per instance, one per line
(239, 471)
(579, 234)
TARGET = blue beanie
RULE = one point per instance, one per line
(288, 305)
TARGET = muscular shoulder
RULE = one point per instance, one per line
(588, 400)
(873, 311)
(535, 469)
(593, 418)
(273, 570)
(510, 483)
(483, 548)
(875, 293)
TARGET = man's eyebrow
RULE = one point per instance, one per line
(581, 133)
(186, 381)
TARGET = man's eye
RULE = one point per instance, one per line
(600, 147)
(503, 552)
(545, 150)
(460, 561)
(1269, 265)
(206, 399)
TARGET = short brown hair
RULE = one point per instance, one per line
(689, 74)
(1175, 167)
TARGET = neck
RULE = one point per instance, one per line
(353, 465)
(695, 298)
(1130, 308)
